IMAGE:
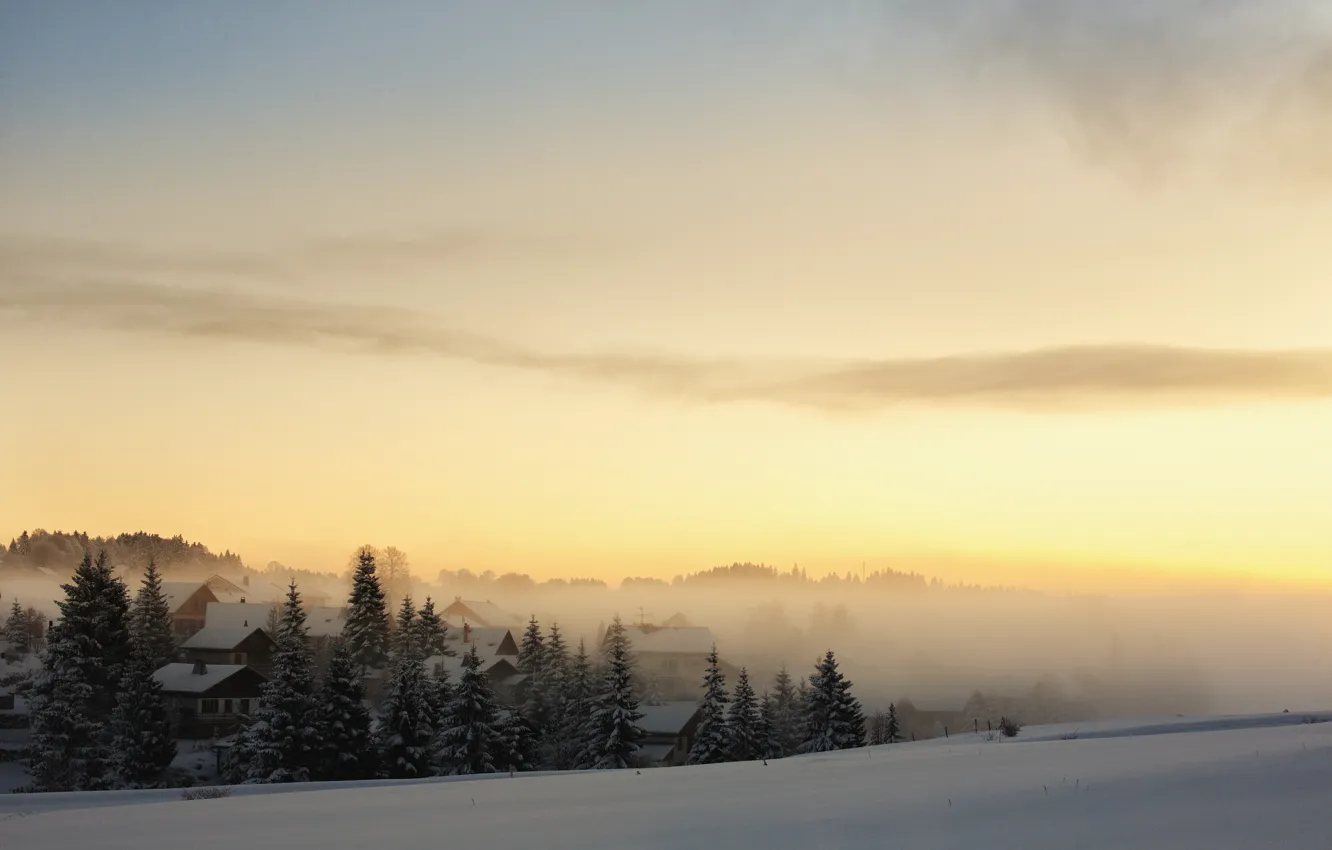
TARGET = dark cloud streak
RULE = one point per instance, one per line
(1110, 376)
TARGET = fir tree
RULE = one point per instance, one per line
(434, 631)
(366, 630)
(613, 730)
(787, 713)
(767, 731)
(518, 738)
(142, 743)
(893, 730)
(712, 742)
(532, 663)
(72, 699)
(150, 621)
(282, 744)
(407, 715)
(553, 686)
(834, 717)
(743, 722)
(575, 751)
(469, 742)
(347, 748)
(17, 629)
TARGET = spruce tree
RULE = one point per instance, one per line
(767, 730)
(532, 663)
(893, 732)
(519, 750)
(366, 630)
(553, 684)
(469, 741)
(787, 716)
(73, 697)
(347, 749)
(744, 722)
(712, 742)
(434, 631)
(614, 730)
(407, 715)
(834, 717)
(575, 748)
(17, 630)
(282, 744)
(142, 743)
(150, 621)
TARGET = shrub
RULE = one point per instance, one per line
(212, 792)
(1009, 728)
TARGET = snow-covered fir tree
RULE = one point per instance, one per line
(142, 743)
(767, 732)
(366, 630)
(744, 720)
(407, 718)
(555, 674)
(893, 726)
(834, 717)
(575, 750)
(17, 629)
(613, 728)
(469, 741)
(72, 699)
(712, 742)
(282, 744)
(787, 716)
(519, 750)
(434, 631)
(347, 747)
(150, 621)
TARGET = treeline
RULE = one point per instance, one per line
(63, 551)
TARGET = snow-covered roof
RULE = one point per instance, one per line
(669, 718)
(321, 622)
(178, 592)
(485, 614)
(692, 640)
(453, 665)
(220, 637)
(489, 642)
(181, 678)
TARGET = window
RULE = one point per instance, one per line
(226, 706)
(244, 706)
(208, 706)
(237, 658)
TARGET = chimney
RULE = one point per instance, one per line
(200, 669)
(467, 632)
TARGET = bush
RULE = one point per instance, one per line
(213, 792)
(1009, 728)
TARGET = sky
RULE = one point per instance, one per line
(1019, 291)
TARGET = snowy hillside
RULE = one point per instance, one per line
(1216, 783)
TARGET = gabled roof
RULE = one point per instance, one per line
(321, 622)
(691, 640)
(496, 667)
(177, 593)
(221, 637)
(489, 642)
(181, 678)
(485, 614)
(669, 718)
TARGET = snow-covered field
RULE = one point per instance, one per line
(1251, 782)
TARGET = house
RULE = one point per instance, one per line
(671, 728)
(675, 657)
(322, 622)
(485, 614)
(498, 651)
(227, 590)
(249, 645)
(209, 699)
(188, 603)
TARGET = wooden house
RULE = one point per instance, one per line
(209, 699)
(188, 604)
(231, 645)
(671, 728)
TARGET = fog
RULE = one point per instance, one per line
(1061, 656)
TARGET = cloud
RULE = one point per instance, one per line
(1153, 87)
(1115, 376)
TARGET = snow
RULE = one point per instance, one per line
(177, 593)
(668, 718)
(220, 637)
(321, 621)
(181, 678)
(1210, 784)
